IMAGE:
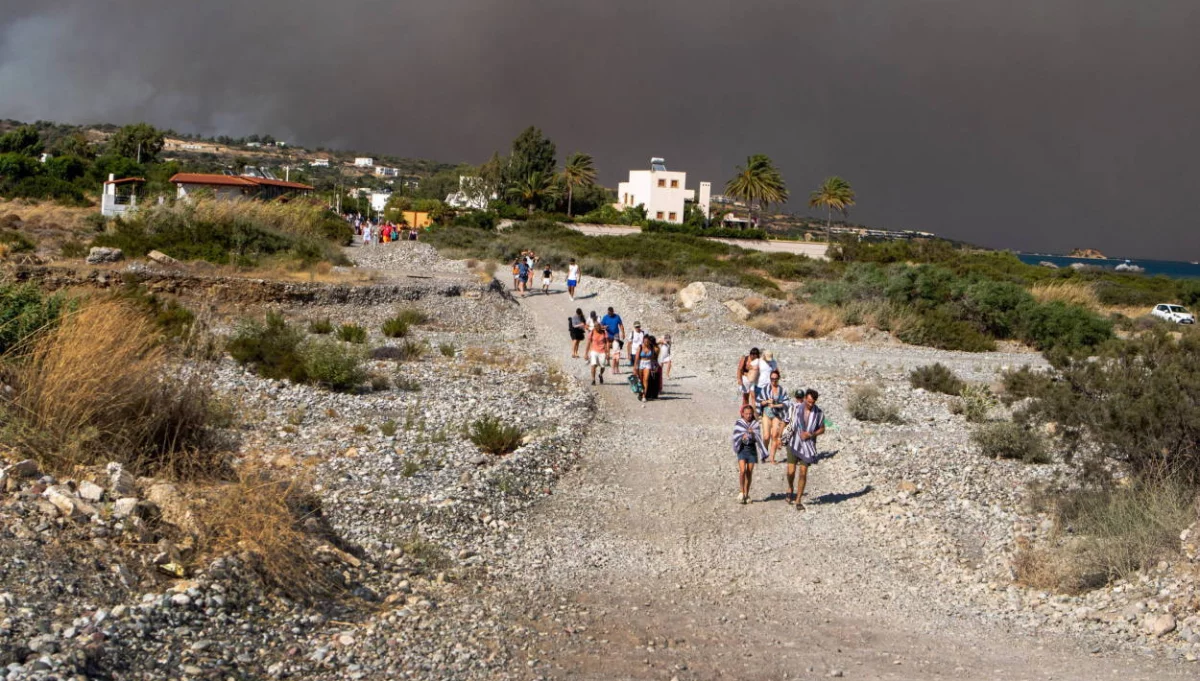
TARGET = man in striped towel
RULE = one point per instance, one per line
(805, 422)
(749, 448)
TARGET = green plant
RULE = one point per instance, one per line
(320, 326)
(975, 402)
(411, 351)
(1062, 327)
(24, 313)
(412, 316)
(410, 468)
(334, 366)
(270, 348)
(379, 382)
(388, 428)
(296, 416)
(395, 328)
(447, 349)
(17, 242)
(1009, 440)
(407, 385)
(495, 437)
(936, 378)
(352, 333)
(867, 403)
(937, 329)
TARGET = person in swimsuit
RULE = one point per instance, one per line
(773, 404)
(747, 376)
(748, 447)
(646, 356)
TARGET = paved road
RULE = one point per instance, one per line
(679, 582)
(797, 247)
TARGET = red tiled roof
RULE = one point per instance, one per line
(234, 181)
(123, 180)
(208, 178)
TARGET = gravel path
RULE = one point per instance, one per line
(659, 574)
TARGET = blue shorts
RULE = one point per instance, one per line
(749, 457)
(571, 283)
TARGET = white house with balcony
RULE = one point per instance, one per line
(662, 192)
(364, 162)
(120, 196)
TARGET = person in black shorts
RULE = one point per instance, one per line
(577, 325)
(749, 448)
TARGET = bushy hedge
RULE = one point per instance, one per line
(25, 312)
(672, 228)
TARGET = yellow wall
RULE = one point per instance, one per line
(419, 219)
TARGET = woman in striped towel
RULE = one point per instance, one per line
(749, 448)
(805, 422)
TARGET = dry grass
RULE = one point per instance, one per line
(495, 357)
(799, 321)
(41, 215)
(267, 516)
(1070, 292)
(302, 218)
(656, 287)
(98, 388)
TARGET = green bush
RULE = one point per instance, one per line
(975, 402)
(447, 350)
(494, 437)
(867, 403)
(395, 328)
(1008, 440)
(1062, 327)
(270, 348)
(25, 312)
(352, 333)
(320, 327)
(937, 329)
(936, 378)
(412, 316)
(1137, 401)
(73, 248)
(17, 242)
(333, 365)
(994, 307)
(477, 219)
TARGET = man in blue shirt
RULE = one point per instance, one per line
(615, 327)
(523, 276)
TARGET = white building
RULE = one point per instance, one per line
(384, 171)
(364, 162)
(379, 200)
(471, 194)
(319, 163)
(662, 192)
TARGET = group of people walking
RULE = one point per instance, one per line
(527, 263)
(371, 232)
(605, 342)
(768, 420)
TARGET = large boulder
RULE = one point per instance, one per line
(737, 310)
(100, 254)
(692, 294)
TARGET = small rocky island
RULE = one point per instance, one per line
(1088, 253)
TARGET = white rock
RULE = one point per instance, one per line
(124, 507)
(692, 294)
(90, 491)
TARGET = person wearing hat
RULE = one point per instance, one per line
(805, 422)
(765, 365)
(635, 343)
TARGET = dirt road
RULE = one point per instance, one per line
(797, 247)
(657, 573)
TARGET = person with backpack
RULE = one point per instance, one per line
(749, 448)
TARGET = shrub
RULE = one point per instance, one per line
(1062, 327)
(395, 328)
(798, 321)
(320, 326)
(494, 437)
(379, 382)
(412, 316)
(867, 403)
(936, 378)
(411, 351)
(333, 365)
(24, 313)
(937, 329)
(17, 242)
(994, 307)
(352, 333)
(73, 248)
(388, 428)
(975, 402)
(173, 319)
(271, 349)
(98, 388)
(447, 350)
(1137, 402)
(1009, 440)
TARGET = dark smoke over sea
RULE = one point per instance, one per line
(1022, 124)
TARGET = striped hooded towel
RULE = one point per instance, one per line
(740, 428)
(803, 419)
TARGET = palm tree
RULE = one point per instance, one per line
(833, 194)
(758, 183)
(578, 172)
(534, 190)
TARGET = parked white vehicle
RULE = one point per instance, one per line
(1173, 313)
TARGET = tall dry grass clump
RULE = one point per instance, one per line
(798, 321)
(271, 517)
(301, 218)
(99, 388)
(1069, 292)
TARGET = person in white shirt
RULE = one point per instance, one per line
(765, 365)
(572, 278)
(664, 356)
(635, 342)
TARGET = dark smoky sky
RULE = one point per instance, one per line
(1028, 124)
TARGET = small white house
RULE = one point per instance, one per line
(364, 162)
(384, 171)
(120, 196)
(471, 194)
(662, 192)
(319, 163)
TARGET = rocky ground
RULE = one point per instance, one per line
(607, 546)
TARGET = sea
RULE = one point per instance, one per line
(1176, 269)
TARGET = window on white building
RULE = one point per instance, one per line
(672, 216)
(658, 215)
(674, 184)
(662, 183)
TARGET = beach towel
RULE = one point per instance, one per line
(800, 422)
(740, 428)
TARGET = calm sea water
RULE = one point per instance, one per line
(1171, 268)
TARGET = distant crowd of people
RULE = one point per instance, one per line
(606, 341)
(375, 231)
(527, 263)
